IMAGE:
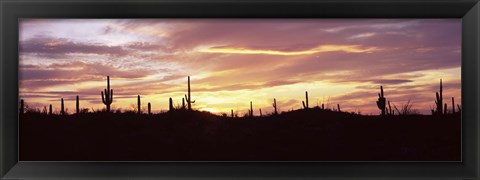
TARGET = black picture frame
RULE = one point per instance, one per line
(467, 10)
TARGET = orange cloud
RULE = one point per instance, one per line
(318, 49)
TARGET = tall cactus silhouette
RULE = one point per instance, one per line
(62, 108)
(250, 112)
(381, 101)
(260, 109)
(22, 107)
(231, 112)
(170, 105)
(439, 100)
(305, 103)
(188, 98)
(77, 105)
(50, 110)
(149, 108)
(338, 108)
(453, 105)
(275, 106)
(107, 97)
(139, 105)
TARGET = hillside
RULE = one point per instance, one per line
(182, 135)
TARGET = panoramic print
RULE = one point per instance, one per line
(240, 89)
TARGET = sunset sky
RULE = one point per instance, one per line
(234, 61)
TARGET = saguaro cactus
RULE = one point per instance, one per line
(149, 108)
(439, 100)
(250, 112)
(170, 105)
(77, 105)
(231, 112)
(275, 106)
(62, 108)
(188, 98)
(139, 110)
(381, 101)
(260, 109)
(50, 110)
(305, 103)
(22, 107)
(453, 106)
(107, 98)
(338, 108)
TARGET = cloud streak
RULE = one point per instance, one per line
(319, 49)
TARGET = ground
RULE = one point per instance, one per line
(181, 135)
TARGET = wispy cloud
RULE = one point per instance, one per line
(319, 49)
(362, 35)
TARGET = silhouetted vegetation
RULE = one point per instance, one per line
(439, 100)
(306, 134)
(381, 101)
(305, 103)
(275, 106)
(77, 105)
(107, 97)
(62, 108)
(188, 98)
(183, 133)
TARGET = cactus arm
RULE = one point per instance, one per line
(183, 103)
(103, 99)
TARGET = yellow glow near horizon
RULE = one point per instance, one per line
(322, 48)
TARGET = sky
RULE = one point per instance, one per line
(234, 61)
